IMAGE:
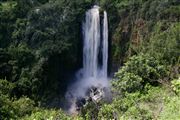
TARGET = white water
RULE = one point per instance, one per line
(92, 73)
(91, 37)
(91, 48)
(105, 45)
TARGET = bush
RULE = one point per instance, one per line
(171, 110)
(107, 112)
(22, 54)
(176, 85)
(6, 87)
(14, 109)
(137, 72)
(164, 43)
(123, 108)
(6, 109)
(90, 111)
(128, 82)
(156, 103)
(23, 106)
(43, 114)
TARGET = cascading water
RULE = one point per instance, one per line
(92, 40)
(105, 45)
(91, 33)
(95, 42)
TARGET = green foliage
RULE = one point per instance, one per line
(126, 107)
(22, 54)
(6, 87)
(129, 82)
(173, 12)
(176, 85)
(169, 51)
(5, 102)
(12, 108)
(46, 36)
(90, 111)
(107, 112)
(7, 18)
(43, 114)
(23, 106)
(138, 71)
(15, 66)
(54, 27)
(156, 103)
(132, 23)
(171, 110)
(6, 111)
(19, 30)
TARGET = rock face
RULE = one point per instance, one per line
(94, 94)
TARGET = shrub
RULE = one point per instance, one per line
(10, 109)
(128, 82)
(123, 108)
(176, 85)
(171, 110)
(107, 112)
(164, 43)
(44, 114)
(6, 108)
(137, 72)
(6, 87)
(23, 106)
(90, 111)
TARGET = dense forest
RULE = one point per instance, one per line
(41, 49)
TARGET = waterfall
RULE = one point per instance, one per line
(95, 58)
(92, 39)
(105, 45)
(91, 33)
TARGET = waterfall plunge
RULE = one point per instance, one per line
(91, 33)
(91, 48)
(105, 45)
(95, 42)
